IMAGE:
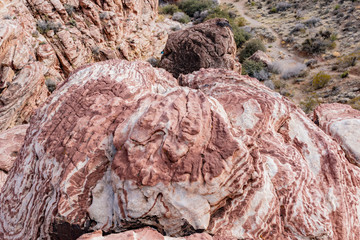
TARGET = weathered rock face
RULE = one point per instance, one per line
(140, 234)
(260, 56)
(47, 39)
(121, 146)
(10, 144)
(207, 45)
(22, 86)
(342, 123)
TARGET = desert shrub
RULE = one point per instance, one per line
(355, 103)
(348, 60)
(44, 26)
(262, 75)
(320, 80)
(273, 10)
(310, 103)
(72, 22)
(240, 21)
(70, 9)
(250, 48)
(220, 12)
(192, 6)
(288, 68)
(181, 17)
(250, 67)
(315, 46)
(282, 6)
(312, 22)
(344, 74)
(240, 36)
(298, 28)
(169, 9)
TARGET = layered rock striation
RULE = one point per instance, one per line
(10, 143)
(342, 123)
(122, 145)
(207, 45)
(43, 41)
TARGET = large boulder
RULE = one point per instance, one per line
(10, 143)
(342, 123)
(207, 45)
(140, 234)
(121, 145)
(43, 41)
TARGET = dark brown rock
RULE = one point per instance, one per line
(207, 45)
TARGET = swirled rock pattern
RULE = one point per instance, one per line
(141, 234)
(10, 144)
(22, 86)
(342, 123)
(207, 45)
(53, 38)
(121, 146)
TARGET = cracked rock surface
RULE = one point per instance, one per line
(207, 45)
(121, 145)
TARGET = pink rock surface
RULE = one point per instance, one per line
(10, 143)
(260, 56)
(342, 123)
(121, 146)
(141, 234)
(55, 37)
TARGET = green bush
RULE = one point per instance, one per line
(320, 80)
(235, 22)
(70, 9)
(183, 19)
(355, 103)
(44, 26)
(240, 36)
(344, 74)
(274, 10)
(240, 21)
(192, 6)
(250, 67)
(310, 103)
(313, 45)
(169, 9)
(250, 48)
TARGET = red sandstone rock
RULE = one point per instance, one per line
(207, 45)
(121, 146)
(260, 56)
(342, 123)
(61, 36)
(140, 234)
(10, 144)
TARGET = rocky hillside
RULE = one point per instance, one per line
(326, 36)
(116, 148)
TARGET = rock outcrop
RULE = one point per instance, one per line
(22, 81)
(10, 144)
(140, 234)
(342, 123)
(207, 45)
(121, 146)
(45, 40)
(260, 56)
